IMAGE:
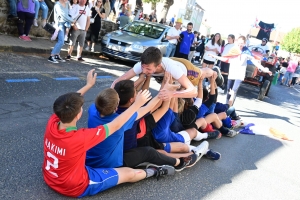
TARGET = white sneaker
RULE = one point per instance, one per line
(201, 149)
(35, 23)
(87, 48)
(92, 50)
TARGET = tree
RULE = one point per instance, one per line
(165, 10)
(290, 42)
(153, 3)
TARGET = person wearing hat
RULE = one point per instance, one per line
(172, 37)
(264, 47)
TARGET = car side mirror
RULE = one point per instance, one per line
(164, 40)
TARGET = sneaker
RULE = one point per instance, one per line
(188, 161)
(213, 155)
(162, 170)
(87, 48)
(58, 58)
(35, 23)
(28, 38)
(52, 59)
(236, 123)
(68, 57)
(80, 59)
(92, 50)
(24, 38)
(214, 135)
(201, 150)
(231, 133)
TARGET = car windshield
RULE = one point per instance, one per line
(145, 29)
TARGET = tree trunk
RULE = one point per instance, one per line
(166, 7)
(153, 6)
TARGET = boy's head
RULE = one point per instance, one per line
(107, 101)
(126, 92)
(150, 60)
(68, 106)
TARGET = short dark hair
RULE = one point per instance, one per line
(125, 90)
(190, 24)
(67, 106)
(107, 101)
(151, 55)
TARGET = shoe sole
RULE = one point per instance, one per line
(168, 167)
(53, 61)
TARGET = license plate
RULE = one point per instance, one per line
(116, 48)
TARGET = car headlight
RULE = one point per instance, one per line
(138, 47)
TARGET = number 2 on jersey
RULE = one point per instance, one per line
(54, 164)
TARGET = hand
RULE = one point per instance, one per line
(270, 73)
(91, 78)
(231, 92)
(165, 95)
(142, 97)
(176, 37)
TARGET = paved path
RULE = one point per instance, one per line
(252, 167)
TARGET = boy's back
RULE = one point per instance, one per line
(109, 153)
(64, 150)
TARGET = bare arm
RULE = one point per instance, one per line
(172, 37)
(219, 58)
(144, 110)
(146, 83)
(90, 81)
(128, 75)
(190, 90)
(258, 65)
(87, 23)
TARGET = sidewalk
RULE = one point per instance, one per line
(10, 43)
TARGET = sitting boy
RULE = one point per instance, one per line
(65, 147)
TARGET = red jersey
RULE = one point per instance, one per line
(64, 156)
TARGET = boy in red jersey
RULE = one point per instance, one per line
(65, 148)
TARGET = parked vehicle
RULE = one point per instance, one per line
(130, 42)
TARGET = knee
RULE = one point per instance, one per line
(183, 148)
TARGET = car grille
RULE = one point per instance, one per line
(121, 55)
(123, 44)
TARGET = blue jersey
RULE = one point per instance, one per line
(186, 42)
(108, 153)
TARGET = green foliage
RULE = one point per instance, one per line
(291, 41)
(151, 1)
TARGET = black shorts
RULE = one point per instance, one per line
(208, 62)
(148, 139)
(225, 67)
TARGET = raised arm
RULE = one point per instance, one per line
(128, 75)
(90, 82)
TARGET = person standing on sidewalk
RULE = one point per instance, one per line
(186, 41)
(83, 24)
(61, 16)
(172, 37)
(25, 13)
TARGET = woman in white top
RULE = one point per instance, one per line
(238, 65)
(224, 65)
(212, 47)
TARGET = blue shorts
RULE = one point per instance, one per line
(210, 110)
(100, 179)
(176, 125)
(162, 132)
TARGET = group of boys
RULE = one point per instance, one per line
(130, 137)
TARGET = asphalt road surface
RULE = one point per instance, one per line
(252, 167)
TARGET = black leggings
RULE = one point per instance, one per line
(136, 156)
(28, 19)
(294, 80)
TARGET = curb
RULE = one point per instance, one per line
(20, 49)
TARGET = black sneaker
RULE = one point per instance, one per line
(188, 161)
(231, 133)
(214, 135)
(213, 155)
(162, 170)
(58, 58)
(52, 59)
(80, 59)
(68, 57)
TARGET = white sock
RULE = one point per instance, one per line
(198, 102)
(191, 148)
(200, 136)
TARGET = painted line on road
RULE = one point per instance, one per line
(66, 78)
(22, 80)
(104, 76)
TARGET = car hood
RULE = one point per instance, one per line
(131, 37)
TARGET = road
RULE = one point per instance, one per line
(252, 167)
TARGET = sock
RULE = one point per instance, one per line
(223, 130)
(150, 172)
(200, 136)
(198, 102)
(191, 148)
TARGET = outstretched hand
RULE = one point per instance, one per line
(166, 93)
(91, 78)
(142, 97)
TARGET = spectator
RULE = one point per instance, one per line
(222, 49)
(173, 36)
(124, 19)
(193, 46)
(106, 5)
(171, 24)
(83, 24)
(154, 20)
(61, 16)
(224, 65)
(112, 7)
(152, 15)
(13, 9)
(98, 13)
(212, 47)
(25, 13)
(162, 21)
(40, 4)
(287, 79)
(173, 19)
(200, 50)
(74, 12)
(296, 75)
(186, 41)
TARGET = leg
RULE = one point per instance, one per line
(128, 175)
(28, 23)
(222, 115)
(60, 42)
(179, 147)
(81, 39)
(37, 8)
(73, 38)
(12, 7)
(214, 120)
(20, 23)
(44, 13)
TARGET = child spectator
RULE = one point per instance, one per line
(282, 71)
(40, 4)
(65, 147)
(26, 13)
(74, 13)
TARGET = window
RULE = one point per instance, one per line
(141, 28)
